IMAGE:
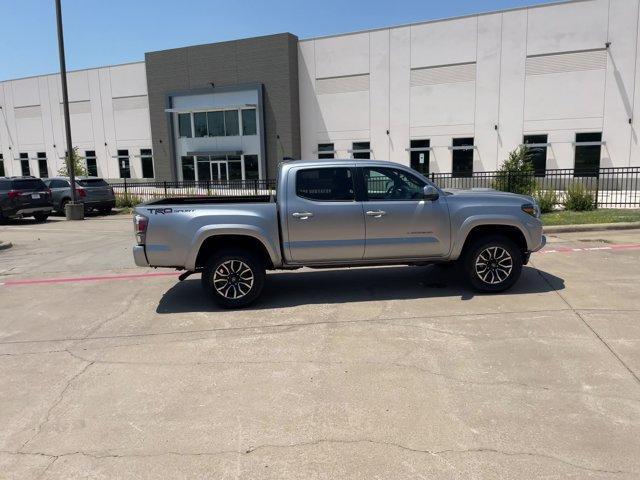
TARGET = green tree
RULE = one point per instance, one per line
(516, 173)
(79, 165)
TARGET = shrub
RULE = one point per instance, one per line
(516, 173)
(79, 166)
(547, 199)
(578, 198)
(127, 200)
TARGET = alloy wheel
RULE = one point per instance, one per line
(493, 265)
(233, 279)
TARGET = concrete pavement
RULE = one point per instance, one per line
(398, 372)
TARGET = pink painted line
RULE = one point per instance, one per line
(102, 278)
(622, 246)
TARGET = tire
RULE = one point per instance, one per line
(63, 204)
(503, 259)
(219, 269)
(41, 217)
(105, 211)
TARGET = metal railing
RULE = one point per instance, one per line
(146, 191)
(609, 187)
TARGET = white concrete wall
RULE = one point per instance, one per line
(108, 108)
(538, 70)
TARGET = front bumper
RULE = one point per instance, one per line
(543, 242)
(139, 256)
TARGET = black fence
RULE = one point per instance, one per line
(609, 187)
(141, 191)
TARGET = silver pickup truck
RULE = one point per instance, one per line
(338, 213)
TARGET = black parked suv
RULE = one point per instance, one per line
(24, 197)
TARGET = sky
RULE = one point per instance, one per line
(107, 32)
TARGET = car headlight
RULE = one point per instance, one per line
(532, 209)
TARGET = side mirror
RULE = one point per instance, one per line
(430, 193)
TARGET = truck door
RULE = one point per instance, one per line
(324, 221)
(399, 222)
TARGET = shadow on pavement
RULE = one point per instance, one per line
(288, 289)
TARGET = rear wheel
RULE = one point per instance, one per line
(41, 217)
(105, 210)
(63, 205)
(233, 278)
(493, 263)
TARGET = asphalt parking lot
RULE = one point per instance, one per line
(110, 371)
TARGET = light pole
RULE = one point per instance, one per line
(73, 210)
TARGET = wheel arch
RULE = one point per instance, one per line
(237, 241)
(473, 230)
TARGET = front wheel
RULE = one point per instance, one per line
(493, 264)
(233, 279)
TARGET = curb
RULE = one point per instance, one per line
(5, 245)
(591, 227)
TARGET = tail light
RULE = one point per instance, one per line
(82, 193)
(140, 224)
(13, 194)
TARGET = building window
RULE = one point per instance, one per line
(123, 164)
(92, 164)
(325, 150)
(24, 164)
(43, 170)
(361, 150)
(419, 155)
(232, 128)
(2, 174)
(146, 159)
(216, 124)
(325, 184)
(184, 125)
(537, 145)
(587, 156)
(234, 167)
(200, 124)
(462, 156)
(249, 125)
(251, 168)
(188, 170)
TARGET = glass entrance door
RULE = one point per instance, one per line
(219, 171)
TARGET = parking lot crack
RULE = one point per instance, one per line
(593, 331)
(56, 402)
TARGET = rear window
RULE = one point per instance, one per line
(93, 182)
(28, 184)
(325, 184)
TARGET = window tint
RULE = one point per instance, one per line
(325, 184)
(392, 184)
(216, 124)
(249, 126)
(537, 153)
(232, 128)
(146, 159)
(92, 165)
(251, 167)
(325, 150)
(200, 124)
(5, 184)
(188, 171)
(28, 184)
(462, 157)
(587, 159)
(361, 150)
(419, 155)
(184, 125)
(24, 165)
(43, 169)
(93, 182)
(123, 163)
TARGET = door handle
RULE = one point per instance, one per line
(376, 213)
(302, 215)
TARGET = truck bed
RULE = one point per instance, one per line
(208, 200)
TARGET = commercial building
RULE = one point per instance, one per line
(451, 95)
